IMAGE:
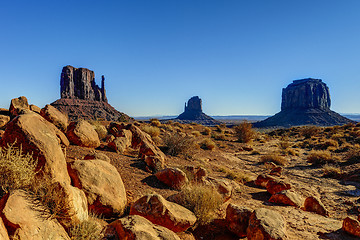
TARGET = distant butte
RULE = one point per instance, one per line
(82, 98)
(305, 102)
(193, 113)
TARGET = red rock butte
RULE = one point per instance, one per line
(82, 98)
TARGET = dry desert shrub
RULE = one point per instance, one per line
(327, 144)
(176, 144)
(218, 136)
(17, 169)
(155, 122)
(152, 131)
(86, 230)
(321, 157)
(332, 171)
(196, 133)
(353, 155)
(207, 144)
(273, 157)
(310, 131)
(234, 175)
(204, 201)
(244, 132)
(206, 131)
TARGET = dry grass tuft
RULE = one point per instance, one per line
(152, 131)
(176, 144)
(17, 169)
(321, 157)
(86, 230)
(206, 131)
(204, 201)
(155, 122)
(332, 171)
(275, 158)
(196, 133)
(244, 132)
(309, 131)
(207, 144)
(353, 156)
(218, 136)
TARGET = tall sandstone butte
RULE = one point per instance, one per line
(82, 98)
(305, 102)
(193, 112)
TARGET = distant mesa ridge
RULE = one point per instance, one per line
(305, 102)
(82, 98)
(193, 112)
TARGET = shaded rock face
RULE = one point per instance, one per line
(305, 102)
(193, 112)
(80, 83)
(306, 93)
(82, 98)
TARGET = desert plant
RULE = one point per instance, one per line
(86, 230)
(309, 131)
(152, 131)
(321, 157)
(196, 133)
(176, 144)
(244, 132)
(155, 122)
(202, 200)
(353, 156)
(207, 144)
(273, 157)
(332, 171)
(206, 131)
(17, 169)
(218, 136)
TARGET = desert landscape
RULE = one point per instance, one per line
(73, 170)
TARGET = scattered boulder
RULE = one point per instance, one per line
(164, 213)
(221, 185)
(314, 204)
(351, 226)
(172, 177)
(276, 171)
(275, 186)
(102, 185)
(3, 121)
(152, 156)
(35, 108)
(198, 173)
(134, 227)
(18, 104)
(43, 140)
(288, 197)
(82, 133)
(23, 222)
(262, 180)
(238, 219)
(98, 156)
(54, 116)
(121, 143)
(266, 224)
(3, 232)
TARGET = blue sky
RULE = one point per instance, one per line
(236, 55)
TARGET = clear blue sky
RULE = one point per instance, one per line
(236, 55)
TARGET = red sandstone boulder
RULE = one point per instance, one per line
(221, 185)
(275, 186)
(172, 177)
(135, 227)
(266, 224)
(313, 204)
(120, 144)
(198, 173)
(351, 226)
(18, 104)
(262, 180)
(276, 171)
(152, 155)
(83, 134)
(3, 232)
(288, 197)
(4, 120)
(43, 140)
(35, 108)
(23, 222)
(54, 116)
(237, 219)
(102, 185)
(164, 213)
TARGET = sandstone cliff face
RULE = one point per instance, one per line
(305, 102)
(306, 93)
(79, 83)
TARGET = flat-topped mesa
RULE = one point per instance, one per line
(306, 93)
(305, 102)
(79, 83)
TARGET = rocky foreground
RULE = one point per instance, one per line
(116, 180)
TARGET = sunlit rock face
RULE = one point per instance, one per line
(305, 102)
